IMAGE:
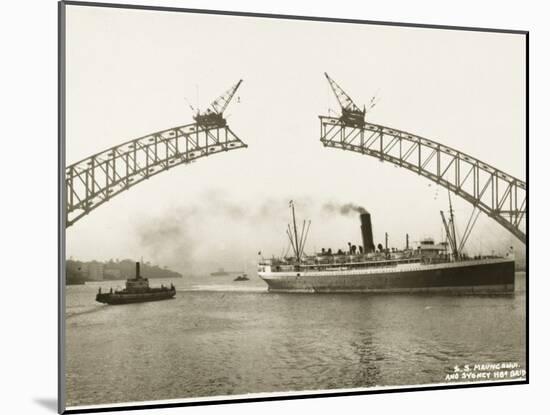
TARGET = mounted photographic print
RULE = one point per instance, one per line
(257, 206)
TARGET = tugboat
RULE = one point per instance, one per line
(137, 291)
(241, 278)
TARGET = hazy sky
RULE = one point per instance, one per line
(130, 72)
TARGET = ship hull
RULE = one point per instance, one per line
(118, 298)
(471, 277)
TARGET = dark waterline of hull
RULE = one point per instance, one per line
(113, 299)
(492, 278)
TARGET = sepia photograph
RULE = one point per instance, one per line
(264, 206)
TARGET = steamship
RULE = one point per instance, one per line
(137, 291)
(428, 267)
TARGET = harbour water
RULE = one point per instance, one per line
(219, 337)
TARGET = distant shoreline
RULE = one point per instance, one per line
(80, 272)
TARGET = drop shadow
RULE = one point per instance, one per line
(48, 403)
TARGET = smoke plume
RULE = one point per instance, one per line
(168, 239)
(343, 209)
(212, 231)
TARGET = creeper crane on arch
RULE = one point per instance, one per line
(213, 117)
(352, 115)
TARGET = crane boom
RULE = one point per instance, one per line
(213, 117)
(344, 99)
(351, 114)
(220, 104)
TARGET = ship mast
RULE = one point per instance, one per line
(304, 238)
(450, 230)
(297, 240)
(449, 235)
(297, 247)
(453, 228)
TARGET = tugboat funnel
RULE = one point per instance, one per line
(137, 270)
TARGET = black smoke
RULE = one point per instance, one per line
(343, 209)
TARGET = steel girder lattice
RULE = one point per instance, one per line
(96, 179)
(498, 194)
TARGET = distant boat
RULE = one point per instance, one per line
(241, 278)
(137, 291)
(221, 273)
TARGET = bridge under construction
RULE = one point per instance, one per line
(95, 180)
(490, 190)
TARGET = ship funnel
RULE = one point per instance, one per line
(137, 270)
(366, 232)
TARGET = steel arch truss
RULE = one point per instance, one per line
(96, 179)
(499, 195)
